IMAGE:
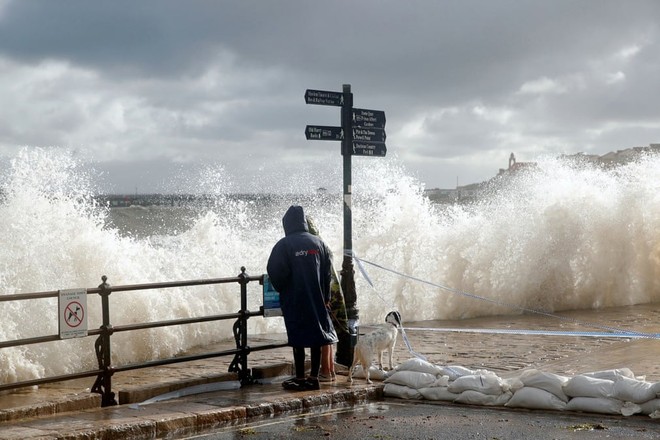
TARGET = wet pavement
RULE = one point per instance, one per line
(393, 419)
(69, 411)
(155, 402)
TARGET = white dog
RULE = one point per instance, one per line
(376, 342)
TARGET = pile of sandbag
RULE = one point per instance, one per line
(605, 392)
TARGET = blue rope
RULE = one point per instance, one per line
(533, 332)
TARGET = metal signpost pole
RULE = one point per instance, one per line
(347, 341)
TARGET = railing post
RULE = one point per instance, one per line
(240, 362)
(103, 383)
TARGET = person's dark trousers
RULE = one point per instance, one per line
(299, 361)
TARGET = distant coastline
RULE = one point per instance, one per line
(157, 199)
(474, 190)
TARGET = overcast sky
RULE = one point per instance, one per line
(146, 89)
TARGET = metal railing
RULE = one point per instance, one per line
(103, 347)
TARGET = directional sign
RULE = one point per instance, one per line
(369, 149)
(368, 134)
(368, 118)
(322, 97)
(324, 133)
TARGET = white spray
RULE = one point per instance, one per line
(561, 237)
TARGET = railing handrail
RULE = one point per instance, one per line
(102, 345)
(130, 287)
(123, 288)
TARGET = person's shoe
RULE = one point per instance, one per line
(334, 376)
(312, 384)
(294, 384)
(325, 378)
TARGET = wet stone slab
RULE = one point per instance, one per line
(57, 411)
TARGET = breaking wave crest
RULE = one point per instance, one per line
(555, 238)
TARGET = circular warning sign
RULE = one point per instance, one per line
(74, 314)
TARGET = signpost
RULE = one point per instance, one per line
(369, 149)
(362, 133)
(369, 134)
(368, 118)
(324, 133)
(322, 97)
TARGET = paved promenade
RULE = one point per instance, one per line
(69, 411)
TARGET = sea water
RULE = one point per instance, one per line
(559, 237)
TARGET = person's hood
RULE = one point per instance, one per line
(294, 220)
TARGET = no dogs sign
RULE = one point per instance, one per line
(73, 313)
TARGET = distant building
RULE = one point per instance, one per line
(580, 158)
(516, 166)
(613, 158)
(458, 194)
(441, 195)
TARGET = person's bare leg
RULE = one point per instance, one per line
(327, 364)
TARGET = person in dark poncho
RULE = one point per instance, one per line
(300, 268)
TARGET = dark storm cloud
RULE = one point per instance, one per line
(437, 42)
(148, 36)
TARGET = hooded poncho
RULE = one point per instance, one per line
(299, 267)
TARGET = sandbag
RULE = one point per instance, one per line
(629, 408)
(615, 391)
(512, 384)
(611, 374)
(401, 391)
(412, 379)
(456, 371)
(375, 373)
(550, 382)
(483, 383)
(472, 397)
(633, 390)
(438, 393)
(535, 398)
(587, 386)
(650, 407)
(420, 366)
(600, 405)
